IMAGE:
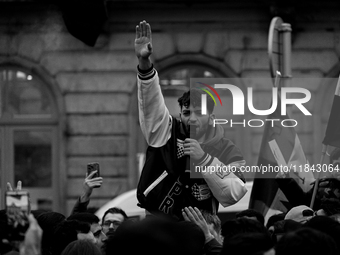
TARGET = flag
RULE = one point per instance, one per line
(332, 136)
(280, 147)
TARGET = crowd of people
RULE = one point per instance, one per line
(299, 231)
(181, 209)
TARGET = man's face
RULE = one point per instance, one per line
(112, 222)
(98, 233)
(194, 122)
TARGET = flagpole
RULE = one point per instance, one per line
(323, 153)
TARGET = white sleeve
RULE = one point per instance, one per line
(226, 187)
(154, 117)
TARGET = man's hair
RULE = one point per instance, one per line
(326, 225)
(251, 213)
(115, 210)
(247, 244)
(306, 241)
(193, 97)
(275, 218)
(156, 235)
(66, 232)
(84, 217)
(81, 247)
(233, 227)
(213, 219)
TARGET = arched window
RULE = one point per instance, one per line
(28, 135)
(175, 81)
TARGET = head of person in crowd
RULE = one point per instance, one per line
(214, 224)
(274, 218)
(93, 220)
(112, 219)
(282, 227)
(69, 231)
(335, 217)
(195, 123)
(328, 193)
(233, 227)
(326, 225)
(301, 213)
(247, 244)
(306, 241)
(81, 247)
(48, 221)
(251, 214)
(154, 236)
(4, 247)
(329, 196)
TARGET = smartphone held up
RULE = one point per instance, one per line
(92, 167)
(17, 210)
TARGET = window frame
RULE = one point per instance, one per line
(56, 124)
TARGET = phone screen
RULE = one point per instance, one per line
(17, 209)
(17, 200)
(91, 167)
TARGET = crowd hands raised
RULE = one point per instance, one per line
(299, 231)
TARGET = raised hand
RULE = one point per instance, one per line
(194, 215)
(193, 149)
(32, 243)
(19, 186)
(89, 184)
(143, 41)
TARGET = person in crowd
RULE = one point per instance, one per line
(69, 231)
(233, 227)
(213, 240)
(177, 146)
(31, 243)
(274, 218)
(154, 236)
(301, 213)
(247, 244)
(96, 228)
(327, 200)
(112, 219)
(89, 184)
(81, 247)
(49, 221)
(326, 225)
(251, 214)
(33, 238)
(281, 227)
(214, 225)
(306, 241)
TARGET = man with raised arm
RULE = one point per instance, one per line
(178, 147)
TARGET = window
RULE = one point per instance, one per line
(175, 81)
(28, 135)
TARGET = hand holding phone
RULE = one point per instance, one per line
(93, 179)
(17, 210)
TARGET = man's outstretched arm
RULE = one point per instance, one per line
(154, 117)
